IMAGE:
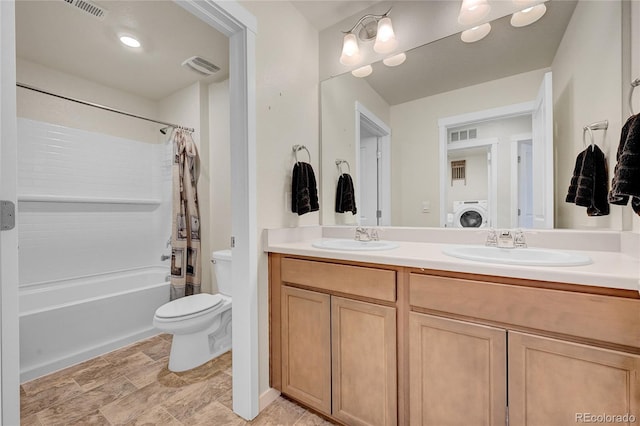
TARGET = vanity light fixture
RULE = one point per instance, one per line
(395, 60)
(529, 15)
(476, 33)
(129, 41)
(371, 26)
(473, 11)
(362, 71)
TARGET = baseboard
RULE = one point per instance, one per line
(39, 370)
(268, 397)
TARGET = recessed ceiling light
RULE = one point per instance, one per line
(362, 71)
(528, 16)
(129, 41)
(476, 33)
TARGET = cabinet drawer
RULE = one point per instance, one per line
(589, 316)
(355, 280)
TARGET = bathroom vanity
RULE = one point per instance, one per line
(389, 342)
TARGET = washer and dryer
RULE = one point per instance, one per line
(470, 214)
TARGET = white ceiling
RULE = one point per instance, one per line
(58, 35)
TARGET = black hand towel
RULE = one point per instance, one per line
(345, 195)
(573, 186)
(593, 181)
(304, 192)
(626, 175)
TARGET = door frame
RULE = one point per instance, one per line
(446, 123)
(233, 20)
(9, 332)
(491, 144)
(513, 162)
(384, 192)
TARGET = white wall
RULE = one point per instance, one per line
(586, 88)
(414, 148)
(476, 184)
(286, 114)
(339, 96)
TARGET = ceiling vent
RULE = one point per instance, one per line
(88, 7)
(200, 65)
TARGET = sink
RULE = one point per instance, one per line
(518, 256)
(354, 245)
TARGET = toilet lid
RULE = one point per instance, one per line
(189, 305)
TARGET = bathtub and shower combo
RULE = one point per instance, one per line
(94, 222)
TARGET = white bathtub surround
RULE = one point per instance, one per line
(422, 248)
(70, 321)
(94, 221)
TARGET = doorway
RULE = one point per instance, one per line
(373, 164)
(240, 27)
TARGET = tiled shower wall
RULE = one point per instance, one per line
(89, 203)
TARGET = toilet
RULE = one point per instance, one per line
(201, 323)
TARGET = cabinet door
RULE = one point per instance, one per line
(458, 372)
(552, 382)
(306, 347)
(364, 362)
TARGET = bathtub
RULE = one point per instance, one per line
(66, 322)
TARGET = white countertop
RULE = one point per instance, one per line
(610, 269)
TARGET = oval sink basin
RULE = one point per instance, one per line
(518, 256)
(354, 245)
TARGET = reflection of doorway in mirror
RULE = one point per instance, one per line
(505, 124)
(524, 165)
(373, 164)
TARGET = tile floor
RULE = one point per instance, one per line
(132, 386)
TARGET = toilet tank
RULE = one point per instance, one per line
(221, 261)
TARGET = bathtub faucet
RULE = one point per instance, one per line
(164, 257)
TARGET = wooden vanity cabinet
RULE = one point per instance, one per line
(458, 372)
(376, 345)
(338, 354)
(554, 350)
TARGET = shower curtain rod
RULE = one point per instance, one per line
(106, 108)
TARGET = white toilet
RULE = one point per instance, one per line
(201, 323)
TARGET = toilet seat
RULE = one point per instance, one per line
(189, 306)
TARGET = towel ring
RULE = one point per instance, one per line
(297, 148)
(635, 83)
(598, 125)
(339, 164)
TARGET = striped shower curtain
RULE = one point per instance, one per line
(185, 235)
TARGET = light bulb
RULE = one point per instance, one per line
(350, 50)
(385, 38)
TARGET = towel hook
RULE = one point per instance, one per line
(598, 125)
(339, 164)
(635, 83)
(297, 148)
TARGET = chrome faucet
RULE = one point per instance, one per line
(506, 238)
(366, 234)
(164, 257)
(519, 240)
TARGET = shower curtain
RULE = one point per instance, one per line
(185, 235)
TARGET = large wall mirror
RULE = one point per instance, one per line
(480, 134)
